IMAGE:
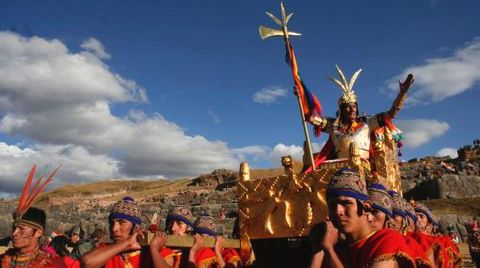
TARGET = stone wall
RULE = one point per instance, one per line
(446, 186)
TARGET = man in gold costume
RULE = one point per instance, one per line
(348, 127)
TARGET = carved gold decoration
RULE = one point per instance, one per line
(289, 205)
(386, 163)
(244, 171)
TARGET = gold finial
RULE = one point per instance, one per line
(266, 32)
(348, 95)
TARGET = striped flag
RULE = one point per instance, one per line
(310, 104)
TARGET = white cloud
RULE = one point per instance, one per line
(256, 153)
(440, 78)
(281, 149)
(61, 103)
(15, 163)
(269, 95)
(421, 131)
(96, 48)
(452, 152)
(273, 155)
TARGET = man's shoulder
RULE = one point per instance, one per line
(385, 233)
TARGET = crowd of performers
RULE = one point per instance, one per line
(125, 249)
(373, 227)
(367, 227)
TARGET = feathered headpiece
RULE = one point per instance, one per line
(29, 196)
(348, 95)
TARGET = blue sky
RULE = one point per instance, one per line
(177, 88)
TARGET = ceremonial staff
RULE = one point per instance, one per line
(303, 96)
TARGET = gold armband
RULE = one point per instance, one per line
(319, 121)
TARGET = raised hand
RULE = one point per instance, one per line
(218, 246)
(405, 85)
(159, 240)
(331, 236)
(132, 241)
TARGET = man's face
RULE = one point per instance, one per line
(120, 229)
(343, 213)
(74, 238)
(179, 228)
(411, 225)
(376, 219)
(397, 222)
(348, 111)
(24, 236)
(422, 221)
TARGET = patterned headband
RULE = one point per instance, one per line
(126, 209)
(205, 225)
(347, 182)
(380, 199)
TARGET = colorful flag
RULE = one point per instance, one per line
(310, 104)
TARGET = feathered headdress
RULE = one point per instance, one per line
(348, 95)
(29, 196)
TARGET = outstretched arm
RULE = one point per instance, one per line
(398, 103)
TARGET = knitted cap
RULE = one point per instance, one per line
(398, 207)
(419, 207)
(380, 198)
(126, 209)
(347, 182)
(205, 225)
(34, 217)
(410, 211)
(180, 213)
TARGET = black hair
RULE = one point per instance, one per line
(59, 244)
(361, 209)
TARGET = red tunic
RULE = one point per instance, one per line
(430, 244)
(383, 245)
(169, 253)
(207, 257)
(450, 253)
(230, 255)
(140, 259)
(419, 255)
(39, 259)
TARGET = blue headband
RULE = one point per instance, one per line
(345, 192)
(201, 230)
(382, 209)
(179, 218)
(116, 215)
(413, 216)
(428, 215)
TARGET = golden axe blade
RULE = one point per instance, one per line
(266, 32)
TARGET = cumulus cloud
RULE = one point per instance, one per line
(281, 149)
(96, 48)
(421, 131)
(269, 95)
(452, 152)
(440, 78)
(264, 153)
(61, 103)
(77, 162)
